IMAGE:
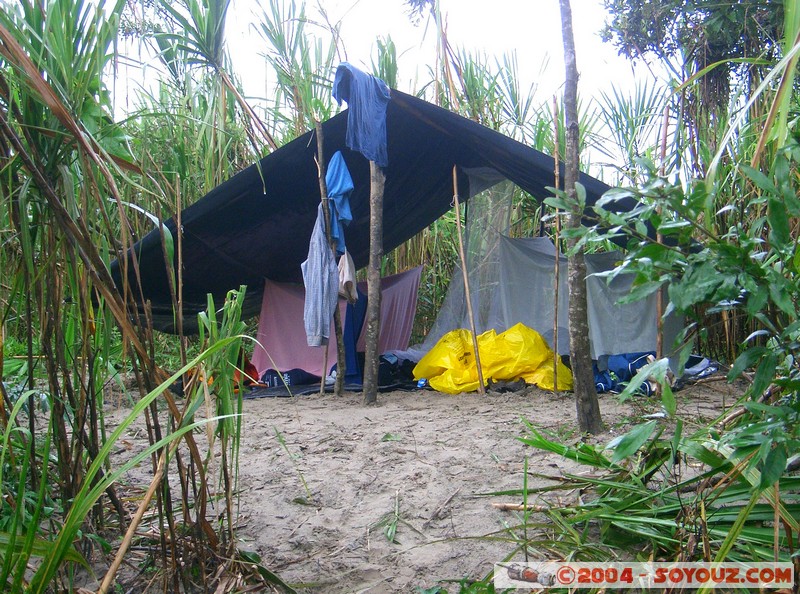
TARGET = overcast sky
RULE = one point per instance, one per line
(532, 28)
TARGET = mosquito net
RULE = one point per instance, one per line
(512, 280)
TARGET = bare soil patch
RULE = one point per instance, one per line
(321, 477)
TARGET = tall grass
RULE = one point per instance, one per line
(64, 161)
(303, 56)
(647, 503)
(59, 163)
(634, 123)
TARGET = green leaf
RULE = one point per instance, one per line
(557, 203)
(640, 291)
(40, 548)
(669, 226)
(778, 219)
(790, 201)
(668, 400)
(796, 259)
(583, 453)
(580, 193)
(774, 466)
(391, 532)
(765, 374)
(781, 295)
(266, 574)
(656, 370)
(768, 410)
(683, 355)
(759, 179)
(707, 456)
(736, 529)
(700, 285)
(745, 361)
(613, 195)
(757, 300)
(628, 444)
(781, 169)
(392, 437)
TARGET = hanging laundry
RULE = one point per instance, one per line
(367, 98)
(340, 186)
(321, 278)
(347, 278)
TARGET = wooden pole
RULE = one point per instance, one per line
(462, 255)
(660, 239)
(341, 368)
(586, 403)
(179, 274)
(377, 181)
(324, 366)
(557, 179)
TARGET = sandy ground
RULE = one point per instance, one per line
(321, 477)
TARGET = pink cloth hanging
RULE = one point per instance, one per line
(281, 334)
(398, 307)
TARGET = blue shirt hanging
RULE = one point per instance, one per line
(340, 186)
(367, 98)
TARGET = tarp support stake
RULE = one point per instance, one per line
(337, 316)
(462, 255)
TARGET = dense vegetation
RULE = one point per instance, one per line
(79, 184)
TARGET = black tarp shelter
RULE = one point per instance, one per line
(257, 224)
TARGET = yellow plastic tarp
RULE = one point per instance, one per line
(518, 353)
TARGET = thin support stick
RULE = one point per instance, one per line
(462, 255)
(337, 316)
(660, 239)
(556, 266)
(324, 369)
(179, 274)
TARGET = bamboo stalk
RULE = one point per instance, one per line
(520, 507)
(135, 521)
(784, 87)
(30, 384)
(3, 395)
(179, 273)
(776, 506)
(660, 239)
(463, 257)
(556, 266)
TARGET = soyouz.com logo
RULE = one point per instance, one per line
(545, 574)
